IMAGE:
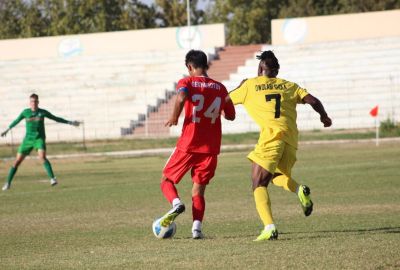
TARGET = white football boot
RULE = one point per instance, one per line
(53, 182)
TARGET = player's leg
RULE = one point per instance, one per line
(198, 209)
(13, 170)
(202, 172)
(285, 182)
(283, 178)
(47, 166)
(23, 150)
(176, 167)
(260, 179)
(171, 194)
(265, 160)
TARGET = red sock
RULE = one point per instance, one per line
(198, 207)
(169, 190)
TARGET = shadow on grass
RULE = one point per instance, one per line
(357, 231)
(328, 233)
(310, 234)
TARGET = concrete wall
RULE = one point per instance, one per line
(161, 39)
(336, 27)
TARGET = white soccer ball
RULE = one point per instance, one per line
(162, 232)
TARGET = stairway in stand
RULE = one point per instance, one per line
(229, 59)
(226, 62)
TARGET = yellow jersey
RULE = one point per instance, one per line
(271, 102)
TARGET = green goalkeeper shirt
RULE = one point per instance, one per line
(35, 122)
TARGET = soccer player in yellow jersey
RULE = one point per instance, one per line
(271, 102)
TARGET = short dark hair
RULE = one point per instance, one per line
(269, 58)
(34, 96)
(197, 58)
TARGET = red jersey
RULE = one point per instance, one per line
(201, 131)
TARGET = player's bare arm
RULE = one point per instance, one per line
(178, 107)
(319, 108)
(229, 112)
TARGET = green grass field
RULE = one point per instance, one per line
(100, 215)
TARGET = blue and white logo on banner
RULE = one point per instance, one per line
(294, 30)
(70, 47)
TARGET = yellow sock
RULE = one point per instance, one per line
(286, 182)
(263, 205)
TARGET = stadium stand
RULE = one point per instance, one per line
(223, 62)
(351, 77)
(110, 81)
(108, 92)
(229, 58)
(125, 92)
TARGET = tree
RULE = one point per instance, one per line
(21, 18)
(174, 12)
(137, 15)
(250, 21)
(353, 6)
(247, 22)
(11, 18)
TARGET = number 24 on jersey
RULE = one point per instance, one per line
(212, 111)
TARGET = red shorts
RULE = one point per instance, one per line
(202, 166)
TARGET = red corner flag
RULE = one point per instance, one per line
(374, 111)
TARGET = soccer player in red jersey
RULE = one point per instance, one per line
(199, 144)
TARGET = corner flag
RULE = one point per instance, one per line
(374, 111)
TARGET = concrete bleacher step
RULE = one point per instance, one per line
(229, 58)
(107, 92)
(350, 77)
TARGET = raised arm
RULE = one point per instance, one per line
(178, 107)
(13, 124)
(319, 108)
(60, 120)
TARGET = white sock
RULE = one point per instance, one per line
(196, 225)
(297, 189)
(269, 227)
(175, 202)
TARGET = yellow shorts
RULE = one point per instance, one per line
(275, 157)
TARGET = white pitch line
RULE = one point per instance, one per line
(158, 151)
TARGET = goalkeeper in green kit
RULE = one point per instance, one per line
(35, 137)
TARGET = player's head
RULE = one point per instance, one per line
(34, 101)
(269, 64)
(196, 59)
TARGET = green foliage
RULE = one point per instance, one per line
(247, 21)
(389, 128)
(61, 17)
(12, 14)
(250, 21)
(174, 12)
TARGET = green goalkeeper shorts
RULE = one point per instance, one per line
(28, 144)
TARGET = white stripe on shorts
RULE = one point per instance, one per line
(169, 158)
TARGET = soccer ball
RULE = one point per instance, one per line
(162, 232)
